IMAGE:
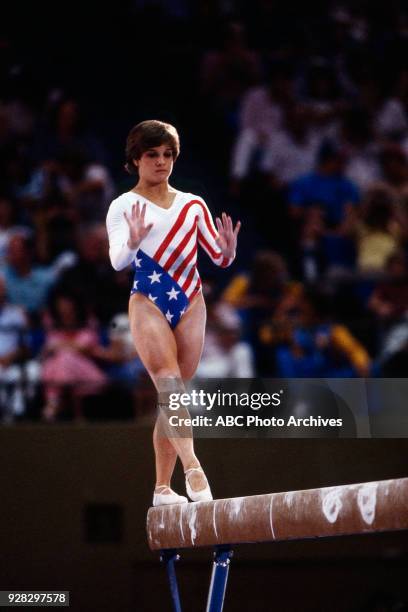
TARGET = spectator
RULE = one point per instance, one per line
(326, 187)
(56, 226)
(322, 202)
(120, 360)
(92, 280)
(67, 356)
(264, 286)
(87, 185)
(225, 355)
(16, 372)
(259, 295)
(391, 120)
(262, 116)
(28, 284)
(310, 344)
(379, 233)
(292, 151)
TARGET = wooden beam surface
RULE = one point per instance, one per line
(293, 515)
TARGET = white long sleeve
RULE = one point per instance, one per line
(207, 234)
(172, 240)
(118, 233)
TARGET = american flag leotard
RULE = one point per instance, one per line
(165, 263)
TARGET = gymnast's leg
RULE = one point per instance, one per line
(189, 335)
(157, 348)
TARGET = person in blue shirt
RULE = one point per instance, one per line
(28, 284)
(322, 203)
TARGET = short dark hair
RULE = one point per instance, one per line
(328, 151)
(81, 318)
(149, 134)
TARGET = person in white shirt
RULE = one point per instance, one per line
(14, 367)
(291, 152)
(261, 117)
(225, 355)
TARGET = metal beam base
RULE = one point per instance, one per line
(169, 557)
(219, 577)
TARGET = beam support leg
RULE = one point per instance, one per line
(219, 576)
(169, 557)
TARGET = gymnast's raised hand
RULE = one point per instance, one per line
(137, 228)
(227, 235)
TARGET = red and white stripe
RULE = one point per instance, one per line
(177, 253)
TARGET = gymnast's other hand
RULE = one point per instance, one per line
(137, 228)
(227, 235)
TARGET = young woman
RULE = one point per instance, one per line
(156, 228)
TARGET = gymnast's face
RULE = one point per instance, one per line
(156, 164)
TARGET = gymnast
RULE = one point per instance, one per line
(156, 228)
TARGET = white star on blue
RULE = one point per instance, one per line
(154, 278)
(172, 294)
(155, 282)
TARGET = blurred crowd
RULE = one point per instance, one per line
(316, 119)
(63, 321)
(303, 134)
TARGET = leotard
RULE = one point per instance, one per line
(165, 262)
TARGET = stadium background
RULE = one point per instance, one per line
(325, 81)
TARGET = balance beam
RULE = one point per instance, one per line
(293, 515)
